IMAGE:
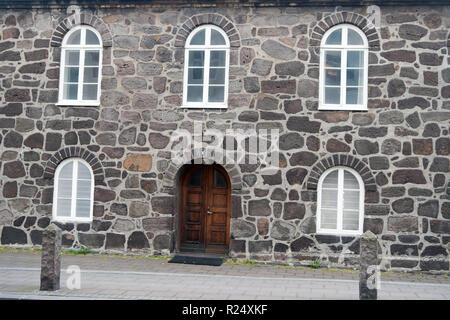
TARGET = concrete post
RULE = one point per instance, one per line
(51, 258)
(368, 264)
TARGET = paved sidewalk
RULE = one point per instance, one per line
(117, 277)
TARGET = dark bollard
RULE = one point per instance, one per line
(368, 266)
(51, 258)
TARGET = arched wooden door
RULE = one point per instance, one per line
(205, 209)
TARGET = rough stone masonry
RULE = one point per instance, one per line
(400, 145)
(51, 259)
(368, 273)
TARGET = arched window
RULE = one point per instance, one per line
(340, 202)
(81, 56)
(343, 69)
(73, 192)
(206, 67)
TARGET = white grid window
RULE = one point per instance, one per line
(343, 69)
(340, 202)
(73, 191)
(80, 72)
(206, 67)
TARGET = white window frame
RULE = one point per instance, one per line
(207, 48)
(81, 48)
(339, 230)
(343, 49)
(72, 217)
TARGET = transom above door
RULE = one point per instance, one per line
(205, 209)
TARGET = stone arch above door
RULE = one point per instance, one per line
(171, 173)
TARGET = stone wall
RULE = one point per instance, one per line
(400, 145)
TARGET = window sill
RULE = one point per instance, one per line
(342, 108)
(204, 106)
(78, 104)
(339, 233)
(72, 220)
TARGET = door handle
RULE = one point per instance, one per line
(210, 212)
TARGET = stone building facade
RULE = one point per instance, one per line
(399, 146)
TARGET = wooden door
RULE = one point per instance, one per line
(205, 209)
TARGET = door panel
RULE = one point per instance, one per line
(219, 200)
(193, 216)
(205, 207)
(218, 208)
(217, 238)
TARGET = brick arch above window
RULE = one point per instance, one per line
(75, 152)
(208, 18)
(345, 17)
(341, 160)
(83, 18)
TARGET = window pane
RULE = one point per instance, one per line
(217, 76)
(64, 188)
(329, 199)
(90, 75)
(331, 180)
(70, 91)
(66, 171)
(355, 77)
(198, 38)
(333, 77)
(332, 95)
(83, 208)
(332, 59)
(217, 38)
(91, 58)
(350, 181)
(355, 59)
(216, 94)
(354, 38)
(350, 220)
(72, 58)
(83, 189)
(219, 180)
(328, 219)
(351, 200)
(195, 94)
(91, 37)
(335, 37)
(71, 74)
(354, 96)
(196, 58)
(195, 75)
(196, 179)
(74, 38)
(217, 58)
(90, 92)
(63, 208)
(83, 172)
